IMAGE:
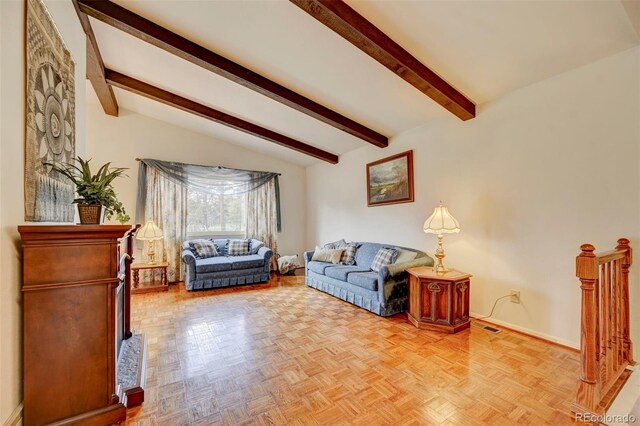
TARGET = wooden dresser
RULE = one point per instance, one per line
(75, 319)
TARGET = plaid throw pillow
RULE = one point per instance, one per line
(385, 256)
(239, 247)
(204, 249)
(349, 254)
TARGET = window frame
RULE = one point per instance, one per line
(216, 235)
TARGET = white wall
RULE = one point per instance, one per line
(2, 292)
(12, 131)
(123, 139)
(536, 174)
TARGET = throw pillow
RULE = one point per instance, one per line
(327, 255)
(335, 245)
(222, 244)
(349, 254)
(255, 246)
(405, 255)
(385, 256)
(239, 247)
(204, 249)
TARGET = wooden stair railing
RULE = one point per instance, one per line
(605, 344)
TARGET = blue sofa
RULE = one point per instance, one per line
(383, 293)
(224, 270)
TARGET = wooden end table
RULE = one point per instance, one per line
(439, 301)
(151, 286)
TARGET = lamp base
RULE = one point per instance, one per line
(439, 267)
(151, 254)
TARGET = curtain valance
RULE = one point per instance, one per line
(209, 179)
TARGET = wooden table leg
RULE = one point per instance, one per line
(136, 278)
(164, 276)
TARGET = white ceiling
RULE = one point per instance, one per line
(483, 48)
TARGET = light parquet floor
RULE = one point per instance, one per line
(283, 353)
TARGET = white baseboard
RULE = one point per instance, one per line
(15, 419)
(524, 330)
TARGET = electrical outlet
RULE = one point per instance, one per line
(515, 296)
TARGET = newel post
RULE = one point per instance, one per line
(587, 272)
(623, 245)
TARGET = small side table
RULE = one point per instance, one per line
(151, 286)
(439, 301)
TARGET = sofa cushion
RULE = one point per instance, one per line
(204, 249)
(341, 272)
(385, 256)
(335, 245)
(405, 255)
(188, 245)
(245, 262)
(368, 280)
(318, 267)
(213, 264)
(327, 255)
(349, 254)
(255, 246)
(239, 247)
(366, 252)
(221, 244)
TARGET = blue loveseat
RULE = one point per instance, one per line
(383, 293)
(224, 270)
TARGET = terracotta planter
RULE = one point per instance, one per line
(90, 214)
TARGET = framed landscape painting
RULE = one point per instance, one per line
(390, 180)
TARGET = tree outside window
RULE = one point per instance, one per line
(211, 214)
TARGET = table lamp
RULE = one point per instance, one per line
(150, 232)
(441, 222)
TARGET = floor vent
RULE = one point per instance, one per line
(486, 327)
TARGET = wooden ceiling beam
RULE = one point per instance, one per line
(632, 7)
(157, 94)
(144, 29)
(352, 26)
(95, 67)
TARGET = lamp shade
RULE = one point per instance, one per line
(149, 232)
(441, 222)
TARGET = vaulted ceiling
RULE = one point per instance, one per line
(483, 49)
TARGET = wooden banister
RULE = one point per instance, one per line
(605, 344)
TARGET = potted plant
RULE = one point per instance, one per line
(95, 192)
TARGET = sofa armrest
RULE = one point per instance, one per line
(189, 261)
(387, 287)
(383, 273)
(188, 257)
(398, 268)
(307, 257)
(266, 253)
(391, 276)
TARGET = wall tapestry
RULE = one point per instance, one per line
(390, 180)
(50, 133)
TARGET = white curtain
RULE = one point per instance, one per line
(262, 217)
(162, 197)
(166, 204)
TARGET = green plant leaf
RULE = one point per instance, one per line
(94, 189)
